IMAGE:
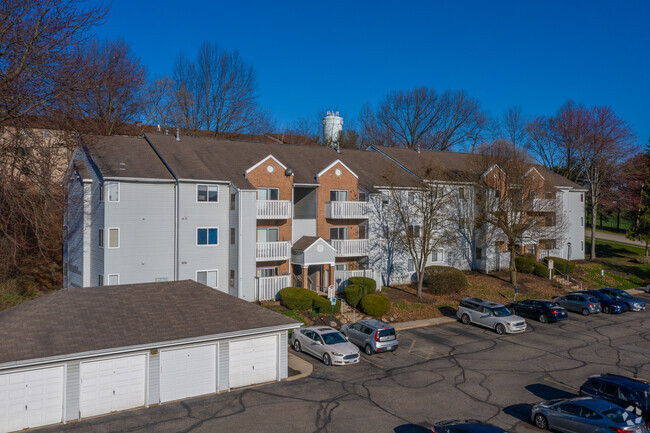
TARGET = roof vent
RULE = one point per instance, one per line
(288, 172)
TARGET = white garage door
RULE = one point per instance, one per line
(254, 360)
(31, 398)
(112, 384)
(188, 372)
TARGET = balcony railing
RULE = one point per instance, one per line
(267, 288)
(347, 209)
(350, 247)
(268, 251)
(341, 277)
(274, 209)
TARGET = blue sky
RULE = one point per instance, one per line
(312, 56)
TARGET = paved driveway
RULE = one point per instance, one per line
(447, 371)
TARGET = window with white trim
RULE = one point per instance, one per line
(462, 194)
(413, 230)
(267, 272)
(233, 200)
(232, 236)
(267, 234)
(268, 194)
(207, 193)
(338, 195)
(207, 236)
(113, 279)
(113, 191)
(100, 239)
(100, 280)
(338, 233)
(410, 265)
(411, 197)
(208, 277)
(341, 267)
(438, 255)
(113, 237)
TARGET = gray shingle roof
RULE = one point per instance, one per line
(79, 320)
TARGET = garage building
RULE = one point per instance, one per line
(82, 352)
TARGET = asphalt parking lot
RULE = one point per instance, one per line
(439, 372)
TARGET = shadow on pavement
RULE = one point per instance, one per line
(545, 392)
(411, 428)
(520, 411)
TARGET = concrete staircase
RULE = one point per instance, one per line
(569, 286)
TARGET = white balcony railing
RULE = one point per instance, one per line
(347, 209)
(350, 247)
(274, 209)
(267, 288)
(266, 251)
(341, 277)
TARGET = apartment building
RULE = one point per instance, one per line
(251, 218)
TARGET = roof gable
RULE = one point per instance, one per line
(262, 162)
(338, 161)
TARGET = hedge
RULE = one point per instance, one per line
(561, 264)
(371, 285)
(525, 265)
(375, 305)
(297, 298)
(541, 270)
(323, 306)
(441, 280)
(353, 294)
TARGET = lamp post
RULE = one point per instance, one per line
(568, 258)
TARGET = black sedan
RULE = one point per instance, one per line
(540, 309)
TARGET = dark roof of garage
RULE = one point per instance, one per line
(77, 320)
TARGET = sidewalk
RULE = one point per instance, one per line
(303, 367)
(400, 326)
(612, 237)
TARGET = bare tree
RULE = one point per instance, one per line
(424, 119)
(111, 96)
(609, 142)
(155, 102)
(420, 213)
(217, 92)
(515, 199)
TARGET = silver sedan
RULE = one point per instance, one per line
(325, 343)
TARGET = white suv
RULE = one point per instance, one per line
(491, 315)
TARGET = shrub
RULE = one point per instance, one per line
(561, 264)
(296, 298)
(323, 305)
(525, 264)
(441, 280)
(541, 270)
(371, 285)
(375, 305)
(353, 294)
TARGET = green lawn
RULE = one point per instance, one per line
(617, 260)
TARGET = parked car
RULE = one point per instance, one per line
(372, 335)
(579, 303)
(489, 314)
(586, 415)
(539, 309)
(630, 393)
(465, 426)
(634, 304)
(607, 303)
(325, 343)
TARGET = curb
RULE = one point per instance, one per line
(304, 367)
(422, 323)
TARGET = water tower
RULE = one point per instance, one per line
(332, 127)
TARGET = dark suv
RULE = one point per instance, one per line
(629, 393)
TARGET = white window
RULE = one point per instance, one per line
(410, 265)
(161, 279)
(338, 195)
(100, 280)
(113, 191)
(268, 234)
(207, 236)
(461, 193)
(113, 279)
(342, 267)
(101, 237)
(207, 193)
(268, 194)
(267, 272)
(340, 233)
(411, 197)
(208, 277)
(113, 237)
(414, 230)
(438, 255)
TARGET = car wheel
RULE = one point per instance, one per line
(607, 310)
(296, 346)
(541, 421)
(327, 360)
(585, 312)
(543, 318)
(368, 350)
(500, 329)
(465, 319)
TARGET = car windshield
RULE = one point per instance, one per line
(618, 415)
(501, 312)
(624, 294)
(333, 338)
(548, 304)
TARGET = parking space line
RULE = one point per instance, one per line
(370, 362)
(548, 379)
(412, 344)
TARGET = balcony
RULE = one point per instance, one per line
(267, 288)
(273, 209)
(272, 251)
(350, 247)
(347, 209)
